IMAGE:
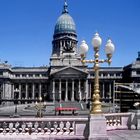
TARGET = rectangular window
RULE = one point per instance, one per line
(105, 74)
(44, 75)
(23, 75)
(118, 74)
(1, 73)
(30, 75)
(17, 75)
(111, 74)
(37, 75)
(138, 72)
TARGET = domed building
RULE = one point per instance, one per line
(66, 81)
(66, 69)
(65, 41)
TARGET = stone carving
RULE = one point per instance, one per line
(38, 128)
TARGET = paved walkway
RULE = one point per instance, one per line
(24, 110)
(124, 135)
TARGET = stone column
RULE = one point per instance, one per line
(90, 90)
(66, 97)
(103, 96)
(86, 91)
(7, 92)
(33, 91)
(53, 91)
(19, 90)
(90, 103)
(110, 92)
(40, 90)
(60, 90)
(3, 90)
(64, 43)
(72, 97)
(26, 93)
(79, 90)
(60, 47)
(114, 96)
(12, 91)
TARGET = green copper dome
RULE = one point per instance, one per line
(65, 23)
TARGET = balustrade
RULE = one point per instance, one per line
(49, 128)
(74, 126)
(40, 126)
(117, 120)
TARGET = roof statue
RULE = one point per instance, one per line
(138, 59)
(65, 10)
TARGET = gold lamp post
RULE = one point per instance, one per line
(40, 106)
(96, 42)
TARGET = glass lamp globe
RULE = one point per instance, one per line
(45, 103)
(16, 90)
(96, 41)
(83, 48)
(40, 98)
(110, 48)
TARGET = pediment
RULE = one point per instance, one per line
(69, 72)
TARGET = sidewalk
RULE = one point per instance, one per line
(124, 135)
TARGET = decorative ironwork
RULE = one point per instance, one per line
(40, 107)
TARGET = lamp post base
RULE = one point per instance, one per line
(97, 127)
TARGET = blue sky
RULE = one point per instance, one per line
(27, 26)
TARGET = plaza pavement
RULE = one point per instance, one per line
(30, 110)
(113, 135)
(24, 110)
(124, 135)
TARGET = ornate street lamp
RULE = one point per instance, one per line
(40, 106)
(96, 42)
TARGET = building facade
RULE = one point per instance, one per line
(66, 78)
